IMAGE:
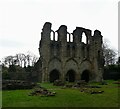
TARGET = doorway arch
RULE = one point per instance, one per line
(85, 75)
(70, 76)
(54, 75)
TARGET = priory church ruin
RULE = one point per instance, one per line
(70, 60)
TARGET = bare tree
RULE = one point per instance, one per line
(34, 59)
(118, 61)
(21, 59)
(8, 60)
(28, 57)
(31, 58)
(109, 54)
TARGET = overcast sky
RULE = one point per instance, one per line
(21, 21)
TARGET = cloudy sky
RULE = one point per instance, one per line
(21, 21)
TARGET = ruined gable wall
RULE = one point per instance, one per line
(87, 56)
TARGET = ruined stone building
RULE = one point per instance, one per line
(70, 60)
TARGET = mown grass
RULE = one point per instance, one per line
(64, 97)
(0, 98)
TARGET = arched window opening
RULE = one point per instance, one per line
(56, 36)
(84, 38)
(68, 37)
(92, 33)
(71, 38)
(52, 35)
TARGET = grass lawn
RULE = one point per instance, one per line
(64, 97)
(0, 98)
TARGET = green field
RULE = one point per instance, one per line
(64, 97)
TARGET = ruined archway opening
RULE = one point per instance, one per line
(54, 75)
(85, 76)
(84, 38)
(70, 76)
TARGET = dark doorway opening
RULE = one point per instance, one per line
(54, 75)
(85, 76)
(70, 76)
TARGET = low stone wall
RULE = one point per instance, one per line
(16, 84)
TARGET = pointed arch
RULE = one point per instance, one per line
(72, 59)
(71, 70)
(85, 64)
(54, 63)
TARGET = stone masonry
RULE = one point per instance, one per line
(68, 60)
